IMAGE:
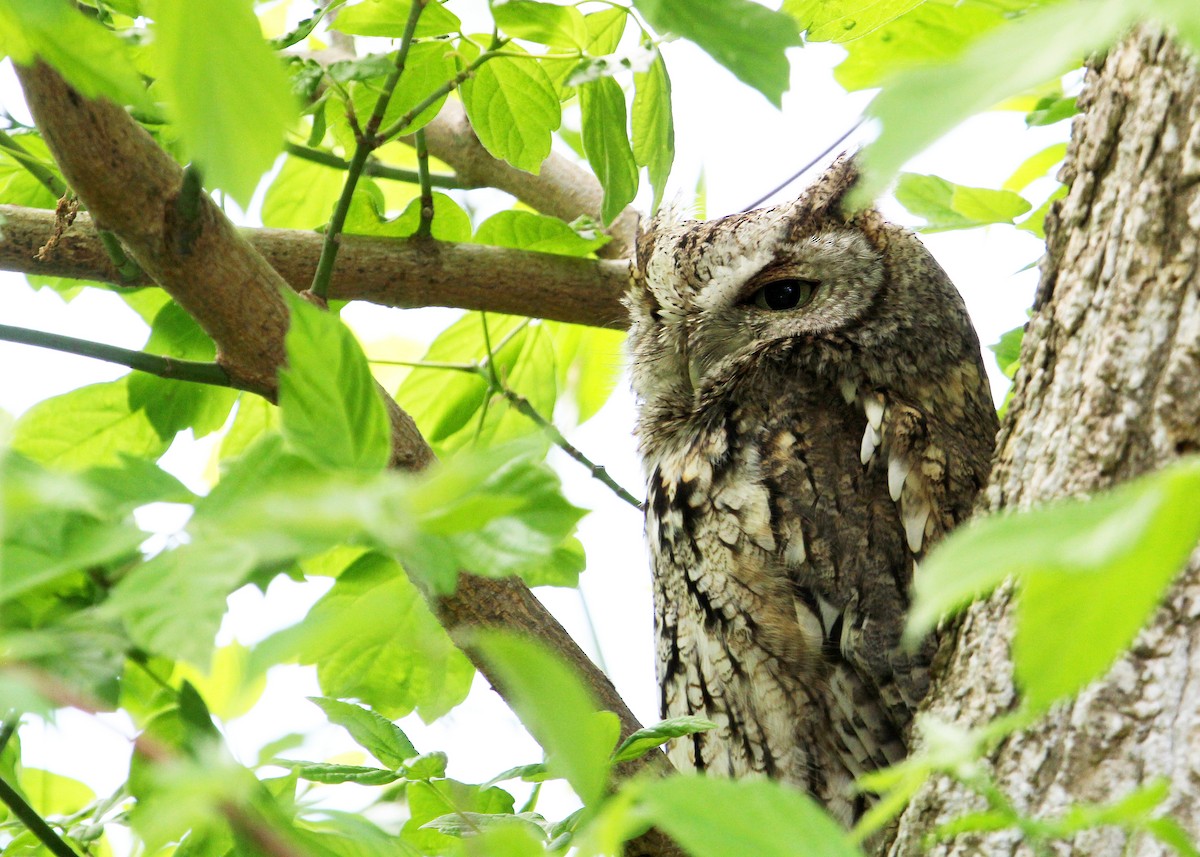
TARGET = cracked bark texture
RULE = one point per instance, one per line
(1109, 389)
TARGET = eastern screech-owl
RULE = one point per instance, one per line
(813, 413)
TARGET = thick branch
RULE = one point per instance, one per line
(387, 271)
(1109, 388)
(561, 188)
(131, 186)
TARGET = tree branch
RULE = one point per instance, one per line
(560, 188)
(387, 271)
(130, 185)
(154, 364)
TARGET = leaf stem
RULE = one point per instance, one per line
(372, 168)
(154, 364)
(425, 226)
(34, 823)
(401, 124)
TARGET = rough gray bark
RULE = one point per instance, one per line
(1109, 389)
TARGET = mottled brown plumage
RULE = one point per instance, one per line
(799, 460)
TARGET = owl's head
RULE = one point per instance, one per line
(839, 292)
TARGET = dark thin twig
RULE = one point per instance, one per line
(154, 364)
(34, 823)
(824, 154)
(372, 168)
(425, 226)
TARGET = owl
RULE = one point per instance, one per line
(813, 413)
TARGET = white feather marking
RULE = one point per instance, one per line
(810, 626)
(914, 525)
(849, 391)
(874, 410)
(795, 555)
(898, 470)
(868, 444)
(829, 613)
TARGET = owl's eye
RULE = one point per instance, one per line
(784, 294)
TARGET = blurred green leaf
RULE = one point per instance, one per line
(329, 404)
(578, 739)
(379, 736)
(589, 361)
(204, 55)
(1008, 350)
(373, 638)
(1035, 167)
(606, 143)
(845, 20)
(746, 38)
(922, 104)
(88, 56)
(713, 817)
(388, 18)
(514, 110)
(1090, 574)
(1051, 109)
(172, 604)
(302, 195)
(605, 29)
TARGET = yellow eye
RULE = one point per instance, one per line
(784, 294)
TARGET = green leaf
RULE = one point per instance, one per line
(845, 20)
(653, 126)
(606, 144)
(577, 738)
(172, 605)
(923, 104)
(388, 18)
(946, 205)
(430, 800)
(427, 766)
(428, 67)
(644, 740)
(379, 736)
(87, 427)
(19, 187)
(373, 638)
(589, 361)
(1051, 109)
(302, 195)
(469, 823)
(526, 230)
(746, 38)
(330, 407)
(514, 110)
(205, 53)
(91, 58)
(330, 774)
(446, 403)
(605, 29)
(496, 513)
(1008, 350)
(545, 23)
(173, 406)
(1090, 574)
(713, 817)
(1035, 167)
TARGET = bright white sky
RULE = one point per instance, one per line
(745, 147)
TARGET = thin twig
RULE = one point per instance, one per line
(425, 226)
(366, 141)
(372, 168)
(154, 364)
(598, 472)
(401, 125)
(824, 154)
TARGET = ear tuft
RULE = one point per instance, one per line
(825, 199)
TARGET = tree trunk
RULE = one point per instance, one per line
(1109, 388)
